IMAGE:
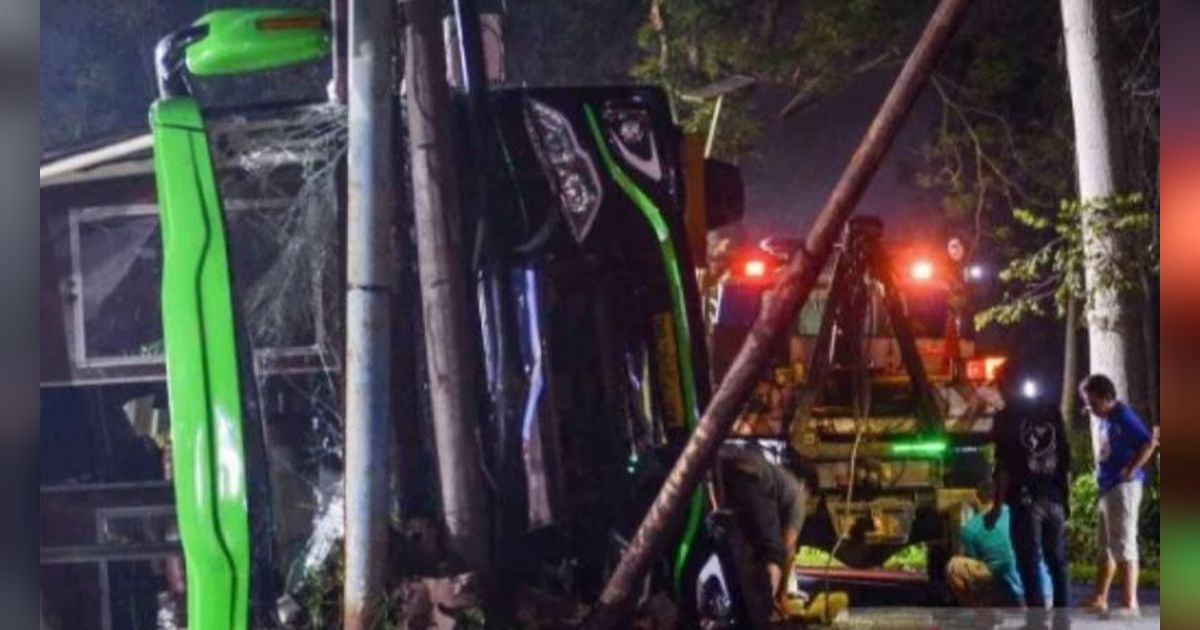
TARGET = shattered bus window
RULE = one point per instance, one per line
(277, 170)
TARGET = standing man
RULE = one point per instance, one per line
(1125, 447)
(1033, 462)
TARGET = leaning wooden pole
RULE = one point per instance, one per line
(790, 292)
(445, 293)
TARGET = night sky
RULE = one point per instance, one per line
(798, 160)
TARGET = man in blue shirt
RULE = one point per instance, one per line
(1125, 447)
(986, 572)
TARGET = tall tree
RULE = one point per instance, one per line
(1043, 235)
(1115, 346)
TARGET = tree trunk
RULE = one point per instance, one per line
(1114, 342)
(444, 291)
(770, 22)
(338, 13)
(1083, 455)
(1070, 379)
(1150, 343)
(656, 23)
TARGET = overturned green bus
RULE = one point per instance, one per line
(588, 321)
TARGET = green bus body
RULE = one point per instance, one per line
(200, 315)
(199, 329)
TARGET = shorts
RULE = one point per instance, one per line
(974, 584)
(1118, 512)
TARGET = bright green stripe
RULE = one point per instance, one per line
(202, 372)
(695, 514)
(511, 168)
(671, 263)
(929, 447)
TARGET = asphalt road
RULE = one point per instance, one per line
(880, 599)
(951, 618)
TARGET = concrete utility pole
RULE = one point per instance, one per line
(444, 290)
(1114, 338)
(370, 208)
(791, 291)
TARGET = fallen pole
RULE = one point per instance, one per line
(790, 292)
(445, 294)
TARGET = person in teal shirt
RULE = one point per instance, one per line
(986, 572)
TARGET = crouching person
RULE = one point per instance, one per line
(986, 575)
(770, 501)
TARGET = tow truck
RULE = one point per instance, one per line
(877, 385)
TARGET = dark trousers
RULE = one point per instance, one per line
(757, 514)
(1039, 530)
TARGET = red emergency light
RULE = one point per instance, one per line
(984, 369)
(755, 268)
(922, 271)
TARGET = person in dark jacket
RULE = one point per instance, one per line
(770, 500)
(1033, 463)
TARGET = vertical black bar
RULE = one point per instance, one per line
(928, 412)
(470, 55)
(474, 87)
(818, 363)
(340, 14)
(489, 268)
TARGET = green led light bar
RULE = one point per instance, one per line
(929, 448)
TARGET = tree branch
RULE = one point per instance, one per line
(811, 87)
(981, 154)
(871, 64)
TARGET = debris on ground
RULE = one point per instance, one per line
(823, 609)
(658, 613)
(537, 608)
(440, 603)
